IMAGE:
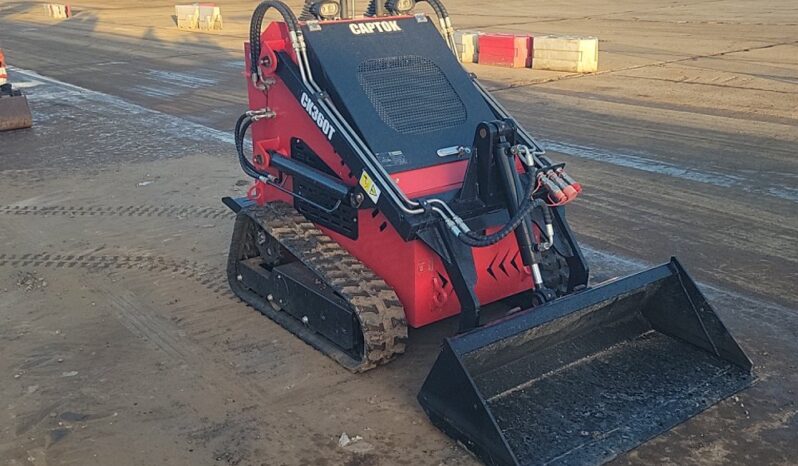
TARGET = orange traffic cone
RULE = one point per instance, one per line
(3, 72)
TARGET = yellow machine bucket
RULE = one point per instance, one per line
(587, 377)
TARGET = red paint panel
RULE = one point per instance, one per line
(505, 50)
(414, 271)
(431, 180)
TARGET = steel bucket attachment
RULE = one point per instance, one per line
(587, 377)
(14, 112)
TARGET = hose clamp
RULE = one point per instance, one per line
(260, 114)
(524, 154)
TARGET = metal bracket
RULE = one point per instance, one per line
(461, 271)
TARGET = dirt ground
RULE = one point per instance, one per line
(121, 343)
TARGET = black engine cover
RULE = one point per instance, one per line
(401, 87)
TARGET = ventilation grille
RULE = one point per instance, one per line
(411, 94)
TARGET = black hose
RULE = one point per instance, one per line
(371, 9)
(242, 125)
(443, 15)
(239, 138)
(305, 14)
(436, 5)
(257, 22)
(480, 241)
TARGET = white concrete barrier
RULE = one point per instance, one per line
(577, 54)
(467, 48)
(199, 16)
(57, 10)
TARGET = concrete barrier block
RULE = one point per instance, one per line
(57, 10)
(199, 16)
(467, 46)
(187, 16)
(576, 54)
(510, 50)
(210, 17)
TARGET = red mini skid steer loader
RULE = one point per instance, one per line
(392, 190)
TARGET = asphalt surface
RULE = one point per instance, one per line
(113, 241)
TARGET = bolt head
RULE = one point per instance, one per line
(239, 277)
(305, 320)
(356, 199)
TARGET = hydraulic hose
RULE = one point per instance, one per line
(255, 27)
(480, 241)
(443, 19)
(440, 10)
(305, 14)
(242, 125)
(371, 9)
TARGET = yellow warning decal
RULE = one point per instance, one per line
(369, 186)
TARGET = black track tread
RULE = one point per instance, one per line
(381, 314)
(555, 272)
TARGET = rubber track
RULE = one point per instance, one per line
(119, 211)
(381, 315)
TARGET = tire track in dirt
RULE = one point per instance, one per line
(224, 327)
(197, 314)
(191, 329)
(209, 277)
(240, 355)
(118, 211)
(233, 350)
